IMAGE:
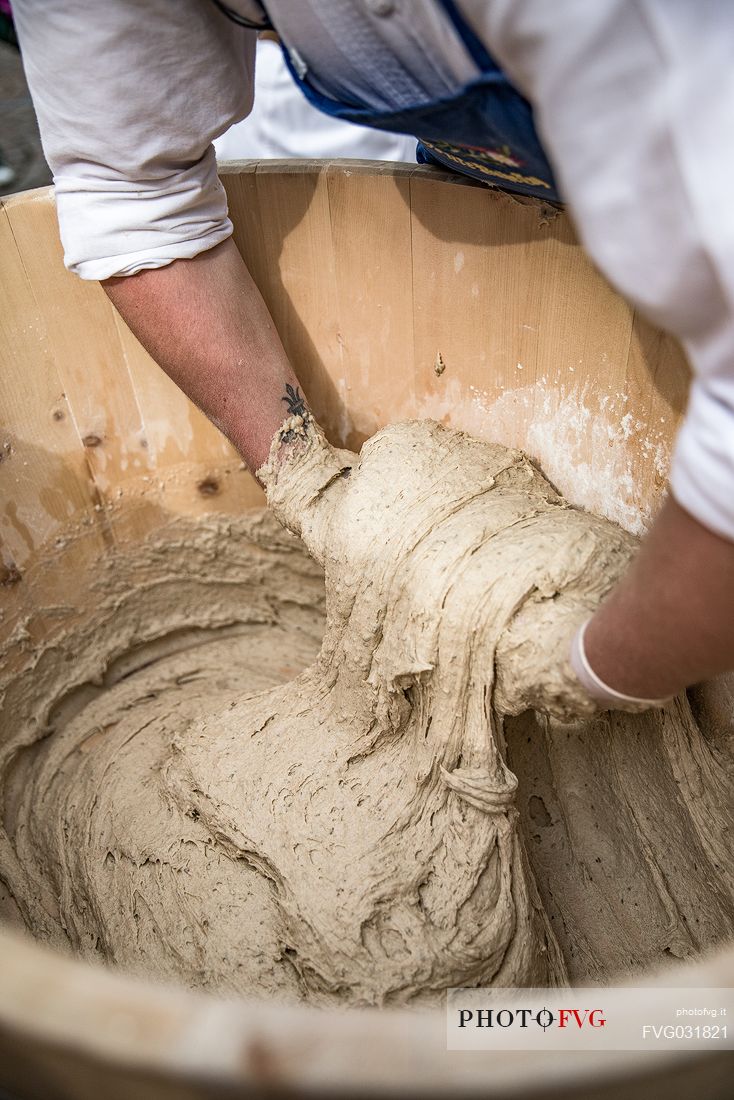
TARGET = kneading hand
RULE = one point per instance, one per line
(471, 546)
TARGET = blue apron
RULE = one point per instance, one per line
(485, 130)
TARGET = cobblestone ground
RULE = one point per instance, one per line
(20, 146)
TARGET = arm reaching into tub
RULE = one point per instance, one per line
(204, 321)
(128, 111)
(670, 622)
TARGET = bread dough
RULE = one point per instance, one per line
(352, 835)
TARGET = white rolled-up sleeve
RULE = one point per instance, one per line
(634, 100)
(129, 96)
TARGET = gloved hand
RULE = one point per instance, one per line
(453, 543)
(605, 696)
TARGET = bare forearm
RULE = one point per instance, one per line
(205, 323)
(670, 622)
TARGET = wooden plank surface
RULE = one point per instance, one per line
(369, 215)
(47, 481)
(81, 330)
(290, 250)
(376, 275)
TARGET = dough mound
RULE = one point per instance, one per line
(372, 791)
(357, 825)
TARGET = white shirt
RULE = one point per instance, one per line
(282, 123)
(634, 101)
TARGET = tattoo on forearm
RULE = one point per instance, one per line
(295, 401)
(298, 415)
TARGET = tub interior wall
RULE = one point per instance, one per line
(371, 273)
(394, 300)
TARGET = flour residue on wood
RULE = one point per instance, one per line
(589, 445)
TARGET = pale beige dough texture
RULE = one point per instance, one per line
(352, 835)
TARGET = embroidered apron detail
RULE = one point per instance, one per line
(485, 164)
(485, 130)
(507, 151)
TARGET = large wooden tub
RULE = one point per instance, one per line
(399, 292)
